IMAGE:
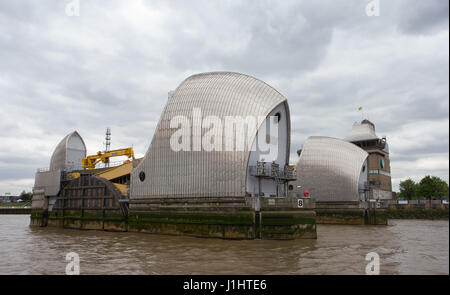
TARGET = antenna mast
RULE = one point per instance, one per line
(108, 143)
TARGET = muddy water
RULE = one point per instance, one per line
(404, 247)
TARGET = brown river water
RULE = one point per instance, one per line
(404, 247)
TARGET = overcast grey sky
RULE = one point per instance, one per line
(114, 63)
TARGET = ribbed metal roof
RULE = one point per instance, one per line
(201, 173)
(361, 131)
(65, 147)
(330, 169)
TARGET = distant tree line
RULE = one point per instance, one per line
(429, 187)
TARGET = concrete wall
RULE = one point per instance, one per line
(38, 200)
(49, 181)
(381, 194)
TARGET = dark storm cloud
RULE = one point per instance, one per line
(423, 17)
(258, 37)
(114, 64)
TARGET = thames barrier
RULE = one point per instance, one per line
(196, 181)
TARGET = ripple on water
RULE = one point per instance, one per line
(405, 247)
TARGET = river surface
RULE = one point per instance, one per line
(404, 247)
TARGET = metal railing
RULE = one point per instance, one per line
(70, 168)
(272, 170)
(413, 203)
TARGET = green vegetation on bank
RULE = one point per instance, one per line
(428, 188)
(19, 204)
(418, 213)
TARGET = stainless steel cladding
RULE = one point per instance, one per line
(331, 169)
(168, 173)
(68, 153)
(362, 131)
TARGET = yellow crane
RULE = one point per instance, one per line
(90, 161)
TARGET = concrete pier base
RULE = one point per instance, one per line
(232, 218)
(280, 225)
(349, 213)
(227, 218)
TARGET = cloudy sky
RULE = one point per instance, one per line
(114, 63)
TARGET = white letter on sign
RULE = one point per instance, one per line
(373, 8)
(73, 8)
(73, 267)
(373, 267)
